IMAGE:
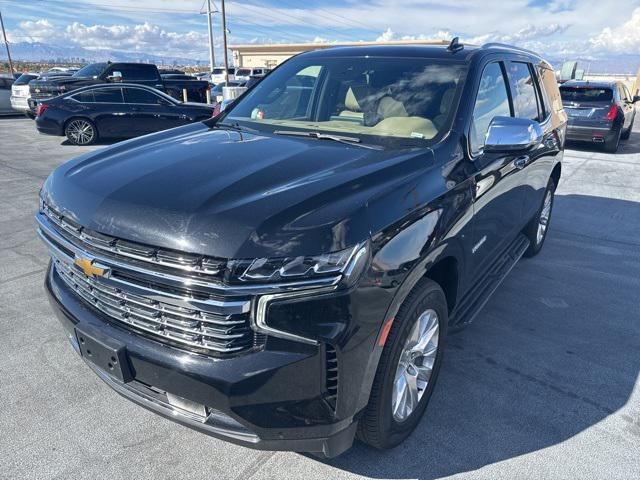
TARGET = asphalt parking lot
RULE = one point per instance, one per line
(544, 384)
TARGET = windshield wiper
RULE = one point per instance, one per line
(233, 126)
(327, 136)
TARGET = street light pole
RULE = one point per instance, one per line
(212, 61)
(6, 44)
(224, 38)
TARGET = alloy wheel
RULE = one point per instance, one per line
(543, 221)
(81, 132)
(415, 365)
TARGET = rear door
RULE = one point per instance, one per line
(151, 112)
(110, 112)
(5, 95)
(498, 195)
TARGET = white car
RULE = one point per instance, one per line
(243, 74)
(217, 76)
(20, 93)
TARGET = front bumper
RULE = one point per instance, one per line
(271, 399)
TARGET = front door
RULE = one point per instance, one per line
(498, 179)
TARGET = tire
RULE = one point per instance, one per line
(627, 132)
(536, 231)
(81, 131)
(380, 426)
(612, 145)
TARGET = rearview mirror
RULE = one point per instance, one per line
(115, 77)
(509, 134)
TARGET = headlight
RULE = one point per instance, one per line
(285, 269)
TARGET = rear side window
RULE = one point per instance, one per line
(108, 95)
(523, 89)
(84, 97)
(586, 94)
(138, 95)
(492, 101)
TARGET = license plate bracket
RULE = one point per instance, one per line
(106, 353)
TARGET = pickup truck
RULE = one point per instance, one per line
(97, 73)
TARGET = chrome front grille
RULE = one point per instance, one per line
(156, 296)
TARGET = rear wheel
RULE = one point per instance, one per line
(536, 230)
(81, 131)
(611, 146)
(627, 133)
(408, 368)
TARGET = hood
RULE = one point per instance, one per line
(50, 82)
(230, 195)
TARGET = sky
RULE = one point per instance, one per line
(560, 28)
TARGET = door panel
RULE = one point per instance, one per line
(498, 195)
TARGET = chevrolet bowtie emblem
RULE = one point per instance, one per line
(89, 269)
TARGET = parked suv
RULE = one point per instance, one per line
(283, 275)
(599, 112)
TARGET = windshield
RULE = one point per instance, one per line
(242, 72)
(91, 70)
(586, 94)
(24, 79)
(401, 98)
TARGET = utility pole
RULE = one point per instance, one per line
(6, 44)
(224, 38)
(212, 60)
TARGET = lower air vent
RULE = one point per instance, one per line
(331, 360)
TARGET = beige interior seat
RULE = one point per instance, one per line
(389, 107)
(445, 107)
(353, 108)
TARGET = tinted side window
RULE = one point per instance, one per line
(137, 72)
(138, 95)
(523, 89)
(492, 101)
(84, 97)
(108, 95)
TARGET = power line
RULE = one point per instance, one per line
(289, 16)
(342, 19)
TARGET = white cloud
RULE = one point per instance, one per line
(624, 38)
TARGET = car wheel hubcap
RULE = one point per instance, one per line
(545, 213)
(80, 132)
(415, 365)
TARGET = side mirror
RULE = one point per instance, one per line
(509, 134)
(115, 77)
(636, 99)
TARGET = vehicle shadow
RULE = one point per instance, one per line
(537, 367)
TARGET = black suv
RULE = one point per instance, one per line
(283, 275)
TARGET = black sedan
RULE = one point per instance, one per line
(115, 111)
(599, 112)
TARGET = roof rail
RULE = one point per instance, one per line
(508, 47)
(455, 45)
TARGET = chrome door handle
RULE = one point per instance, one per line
(521, 162)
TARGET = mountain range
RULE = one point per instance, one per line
(35, 52)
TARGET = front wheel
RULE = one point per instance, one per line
(408, 368)
(536, 230)
(81, 131)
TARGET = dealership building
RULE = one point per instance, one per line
(271, 55)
